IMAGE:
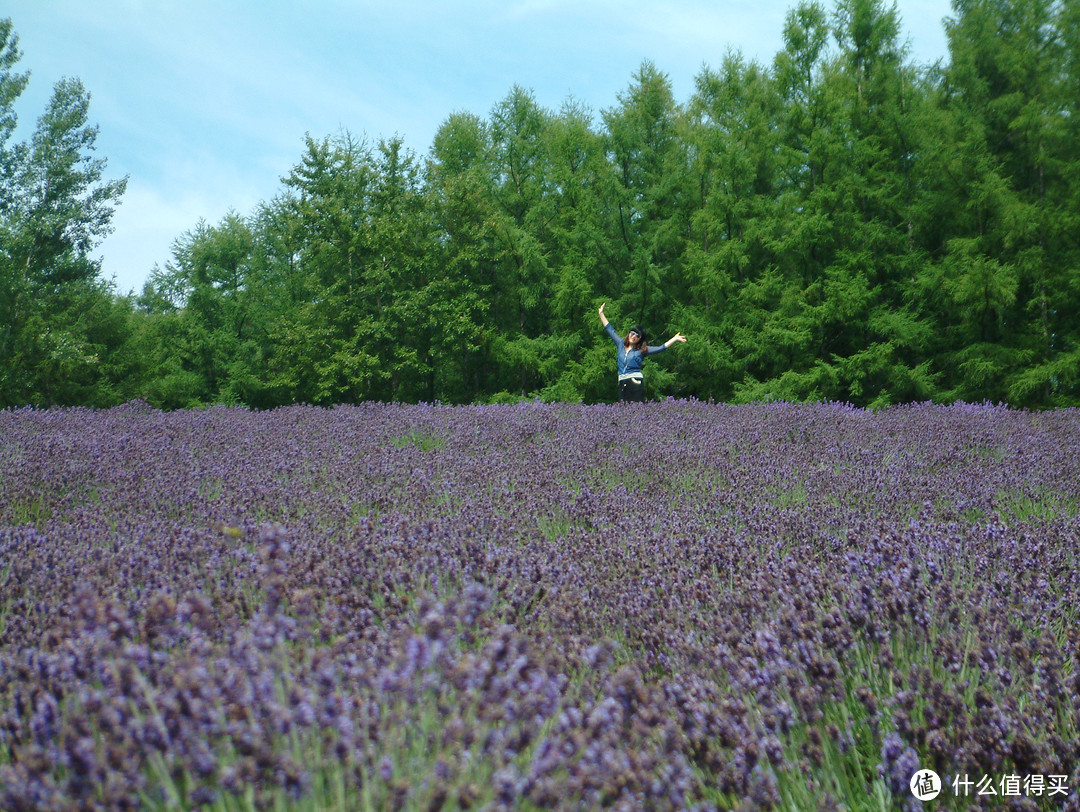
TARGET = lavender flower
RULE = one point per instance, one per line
(239, 602)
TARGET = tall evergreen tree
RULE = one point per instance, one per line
(782, 345)
(409, 319)
(1006, 266)
(880, 346)
(733, 144)
(651, 167)
(521, 224)
(460, 183)
(582, 256)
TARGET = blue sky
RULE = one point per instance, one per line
(205, 104)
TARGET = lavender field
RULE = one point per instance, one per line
(661, 606)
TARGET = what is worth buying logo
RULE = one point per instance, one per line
(926, 785)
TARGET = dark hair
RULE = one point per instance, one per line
(642, 344)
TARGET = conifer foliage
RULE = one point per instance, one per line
(841, 224)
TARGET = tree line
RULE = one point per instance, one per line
(843, 224)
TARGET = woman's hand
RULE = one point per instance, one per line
(603, 318)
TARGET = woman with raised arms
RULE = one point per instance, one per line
(631, 353)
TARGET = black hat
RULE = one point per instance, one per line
(637, 328)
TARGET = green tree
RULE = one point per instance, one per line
(342, 282)
(732, 137)
(12, 85)
(55, 209)
(828, 319)
(14, 281)
(521, 224)
(879, 344)
(582, 249)
(645, 149)
(332, 340)
(409, 314)
(201, 326)
(460, 183)
(781, 340)
(1005, 286)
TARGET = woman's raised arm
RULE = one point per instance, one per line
(678, 338)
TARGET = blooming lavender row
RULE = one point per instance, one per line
(663, 606)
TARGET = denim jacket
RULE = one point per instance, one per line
(629, 359)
